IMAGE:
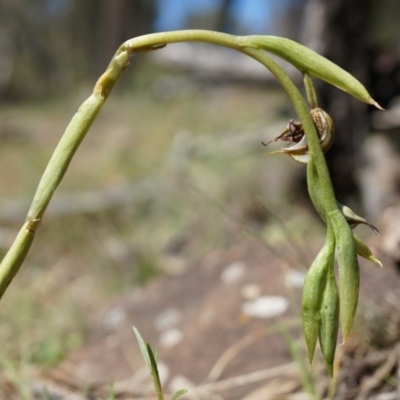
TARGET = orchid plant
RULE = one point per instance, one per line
(324, 305)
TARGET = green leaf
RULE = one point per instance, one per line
(150, 362)
(329, 320)
(143, 347)
(154, 373)
(111, 395)
(349, 270)
(309, 61)
(313, 292)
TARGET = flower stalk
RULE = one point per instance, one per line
(320, 292)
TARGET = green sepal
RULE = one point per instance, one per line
(364, 251)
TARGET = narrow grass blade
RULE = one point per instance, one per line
(179, 393)
(154, 373)
(151, 362)
(143, 347)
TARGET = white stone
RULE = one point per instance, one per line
(167, 319)
(114, 318)
(265, 307)
(171, 337)
(179, 382)
(233, 272)
(295, 278)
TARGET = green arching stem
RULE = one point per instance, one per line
(327, 195)
(15, 256)
(244, 45)
(88, 111)
(57, 167)
(304, 59)
(74, 134)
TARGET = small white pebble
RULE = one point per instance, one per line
(114, 318)
(233, 272)
(179, 382)
(250, 291)
(387, 396)
(265, 307)
(171, 338)
(167, 318)
(295, 278)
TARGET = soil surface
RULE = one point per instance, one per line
(229, 328)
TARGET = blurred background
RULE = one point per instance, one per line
(49, 47)
(174, 168)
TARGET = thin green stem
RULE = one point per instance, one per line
(246, 45)
(155, 40)
(74, 134)
(325, 186)
(15, 256)
(57, 167)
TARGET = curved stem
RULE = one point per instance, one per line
(82, 120)
(153, 41)
(244, 45)
(57, 167)
(74, 134)
(325, 186)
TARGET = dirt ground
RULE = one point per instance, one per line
(210, 344)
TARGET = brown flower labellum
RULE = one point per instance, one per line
(294, 133)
